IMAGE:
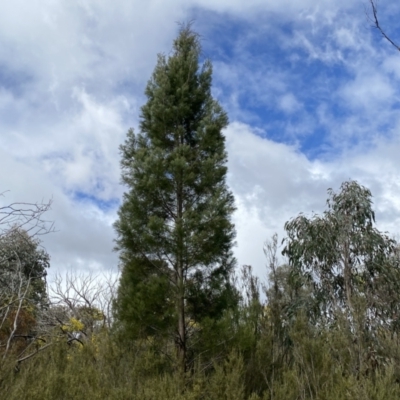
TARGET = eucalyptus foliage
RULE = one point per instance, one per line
(23, 264)
(347, 260)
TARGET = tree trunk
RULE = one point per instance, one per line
(181, 275)
(182, 333)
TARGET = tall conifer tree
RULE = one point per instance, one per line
(175, 233)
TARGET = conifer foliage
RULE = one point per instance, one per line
(174, 228)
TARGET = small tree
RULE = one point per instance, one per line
(23, 265)
(341, 252)
(21, 253)
(353, 272)
(174, 226)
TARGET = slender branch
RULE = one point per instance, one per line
(21, 296)
(377, 25)
(28, 216)
(35, 352)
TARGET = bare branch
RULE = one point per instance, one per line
(34, 353)
(377, 25)
(87, 298)
(22, 292)
(26, 216)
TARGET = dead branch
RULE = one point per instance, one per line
(34, 353)
(85, 298)
(26, 216)
(376, 24)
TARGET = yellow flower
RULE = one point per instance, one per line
(76, 325)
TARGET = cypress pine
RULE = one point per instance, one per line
(174, 227)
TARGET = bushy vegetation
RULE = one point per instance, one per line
(249, 354)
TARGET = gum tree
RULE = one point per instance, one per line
(347, 260)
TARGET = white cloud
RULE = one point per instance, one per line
(369, 89)
(289, 104)
(82, 233)
(286, 9)
(271, 182)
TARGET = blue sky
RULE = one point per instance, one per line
(293, 79)
(311, 89)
